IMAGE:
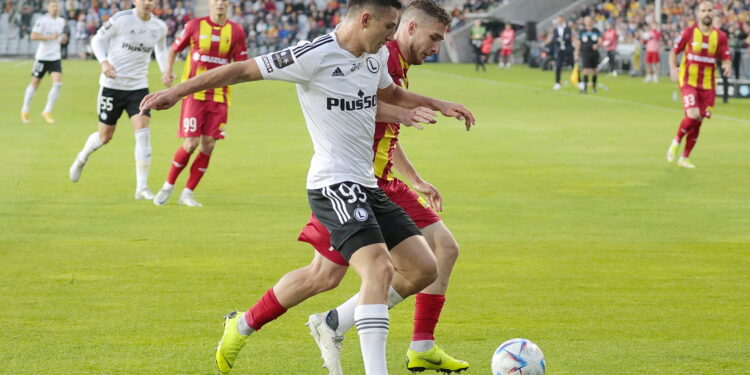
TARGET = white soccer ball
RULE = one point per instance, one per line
(518, 357)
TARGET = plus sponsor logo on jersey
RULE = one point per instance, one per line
(364, 102)
(210, 59)
(139, 48)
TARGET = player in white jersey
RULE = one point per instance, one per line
(48, 30)
(123, 46)
(343, 84)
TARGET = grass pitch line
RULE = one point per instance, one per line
(590, 97)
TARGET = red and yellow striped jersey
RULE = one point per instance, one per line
(211, 46)
(386, 134)
(700, 52)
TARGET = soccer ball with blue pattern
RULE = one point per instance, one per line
(518, 357)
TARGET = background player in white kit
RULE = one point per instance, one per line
(48, 30)
(123, 47)
(341, 78)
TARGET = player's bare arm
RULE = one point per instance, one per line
(407, 99)
(168, 76)
(238, 72)
(674, 72)
(402, 164)
(409, 117)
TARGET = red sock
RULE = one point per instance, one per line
(685, 126)
(200, 164)
(692, 137)
(180, 160)
(265, 310)
(426, 315)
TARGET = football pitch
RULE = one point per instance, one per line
(575, 232)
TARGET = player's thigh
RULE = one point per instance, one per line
(414, 256)
(325, 269)
(38, 70)
(215, 121)
(57, 77)
(707, 99)
(207, 144)
(440, 238)
(691, 101)
(106, 132)
(133, 101)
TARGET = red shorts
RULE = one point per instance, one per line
(199, 118)
(652, 57)
(505, 52)
(702, 99)
(415, 206)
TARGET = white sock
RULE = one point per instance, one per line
(372, 326)
(242, 327)
(27, 96)
(345, 312)
(93, 142)
(422, 345)
(54, 92)
(142, 157)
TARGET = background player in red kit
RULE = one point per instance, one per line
(701, 45)
(652, 38)
(214, 41)
(506, 47)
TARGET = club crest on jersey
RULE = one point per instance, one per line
(364, 102)
(360, 214)
(373, 65)
(282, 59)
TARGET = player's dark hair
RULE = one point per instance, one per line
(429, 8)
(354, 6)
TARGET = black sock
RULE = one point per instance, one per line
(593, 80)
(585, 81)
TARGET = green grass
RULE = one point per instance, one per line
(575, 233)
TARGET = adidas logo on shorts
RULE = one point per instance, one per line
(337, 73)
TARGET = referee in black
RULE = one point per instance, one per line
(587, 48)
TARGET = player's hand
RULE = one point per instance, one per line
(726, 67)
(674, 74)
(64, 38)
(53, 36)
(417, 116)
(431, 193)
(167, 78)
(159, 100)
(108, 69)
(458, 112)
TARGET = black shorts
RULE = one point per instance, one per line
(112, 102)
(357, 216)
(590, 60)
(42, 67)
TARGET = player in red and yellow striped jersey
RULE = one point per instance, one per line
(214, 41)
(701, 45)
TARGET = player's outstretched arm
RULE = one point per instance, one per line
(400, 97)
(409, 117)
(238, 72)
(406, 168)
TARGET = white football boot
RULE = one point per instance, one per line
(144, 194)
(75, 169)
(186, 199)
(163, 195)
(328, 342)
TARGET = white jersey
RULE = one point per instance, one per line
(126, 41)
(48, 50)
(338, 95)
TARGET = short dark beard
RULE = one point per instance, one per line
(710, 21)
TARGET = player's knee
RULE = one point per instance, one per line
(448, 250)
(382, 268)
(693, 113)
(189, 145)
(105, 138)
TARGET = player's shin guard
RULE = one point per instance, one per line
(426, 315)
(372, 325)
(142, 157)
(179, 161)
(197, 170)
(54, 92)
(692, 138)
(93, 143)
(685, 126)
(265, 310)
(27, 96)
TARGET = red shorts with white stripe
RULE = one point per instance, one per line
(199, 118)
(415, 206)
(702, 99)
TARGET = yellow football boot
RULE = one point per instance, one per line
(25, 117)
(230, 344)
(434, 359)
(48, 117)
